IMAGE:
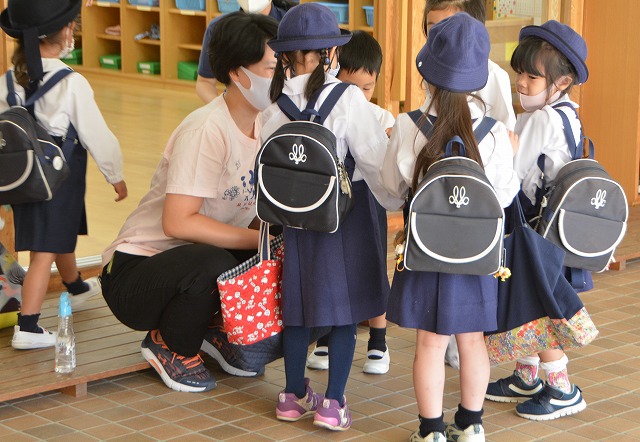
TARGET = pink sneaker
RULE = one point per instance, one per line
(291, 408)
(332, 416)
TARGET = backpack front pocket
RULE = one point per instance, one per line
(443, 243)
(15, 168)
(575, 231)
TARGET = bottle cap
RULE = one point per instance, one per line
(65, 305)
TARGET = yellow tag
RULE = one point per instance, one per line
(509, 48)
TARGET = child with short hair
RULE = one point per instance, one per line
(453, 63)
(360, 61)
(549, 60)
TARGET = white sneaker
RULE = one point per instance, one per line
(94, 289)
(319, 358)
(26, 340)
(431, 437)
(473, 433)
(377, 362)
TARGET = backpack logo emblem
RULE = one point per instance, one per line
(599, 200)
(297, 154)
(458, 197)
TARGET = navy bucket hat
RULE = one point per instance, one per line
(307, 27)
(456, 55)
(29, 20)
(565, 40)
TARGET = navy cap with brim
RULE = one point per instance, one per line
(309, 43)
(307, 27)
(571, 45)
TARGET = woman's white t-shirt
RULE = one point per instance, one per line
(207, 156)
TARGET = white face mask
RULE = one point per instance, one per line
(253, 6)
(532, 103)
(334, 71)
(68, 47)
(258, 93)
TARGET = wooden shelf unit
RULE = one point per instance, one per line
(181, 33)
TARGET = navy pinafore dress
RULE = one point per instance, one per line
(340, 278)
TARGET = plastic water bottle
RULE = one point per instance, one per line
(65, 340)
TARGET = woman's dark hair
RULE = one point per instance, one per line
(454, 118)
(238, 39)
(19, 58)
(475, 8)
(286, 61)
(536, 56)
(283, 4)
(361, 52)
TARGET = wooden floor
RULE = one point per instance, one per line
(104, 348)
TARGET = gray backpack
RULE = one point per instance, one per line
(455, 223)
(585, 212)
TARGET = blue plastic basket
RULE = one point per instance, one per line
(192, 5)
(368, 10)
(341, 11)
(144, 2)
(225, 6)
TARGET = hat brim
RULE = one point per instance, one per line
(55, 24)
(461, 81)
(554, 39)
(309, 43)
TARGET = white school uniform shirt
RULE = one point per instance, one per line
(497, 96)
(71, 100)
(542, 132)
(354, 125)
(207, 156)
(384, 117)
(407, 141)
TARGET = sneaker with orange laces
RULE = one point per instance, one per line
(178, 372)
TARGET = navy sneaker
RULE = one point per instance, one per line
(216, 344)
(552, 404)
(178, 372)
(512, 389)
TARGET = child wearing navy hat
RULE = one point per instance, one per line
(43, 30)
(329, 279)
(453, 63)
(549, 60)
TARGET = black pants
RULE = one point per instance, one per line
(174, 291)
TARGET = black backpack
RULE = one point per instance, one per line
(300, 180)
(455, 223)
(585, 212)
(32, 165)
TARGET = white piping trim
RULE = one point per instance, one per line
(332, 182)
(550, 223)
(434, 255)
(23, 177)
(575, 251)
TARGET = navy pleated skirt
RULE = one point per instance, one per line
(340, 278)
(443, 303)
(53, 226)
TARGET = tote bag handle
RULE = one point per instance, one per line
(265, 247)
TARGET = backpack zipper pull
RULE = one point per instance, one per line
(345, 184)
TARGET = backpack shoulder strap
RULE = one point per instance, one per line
(424, 123)
(484, 128)
(50, 83)
(289, 108)
(328, 103)
(576, 150)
